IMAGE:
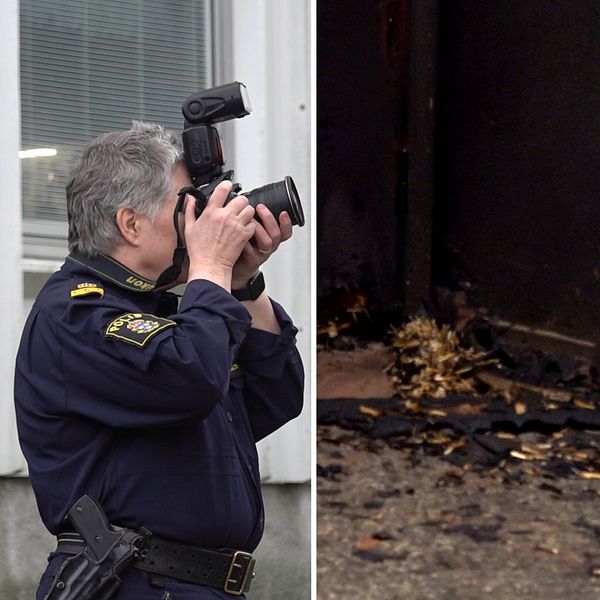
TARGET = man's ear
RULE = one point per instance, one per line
(128, 223)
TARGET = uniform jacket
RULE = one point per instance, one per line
(152, 408)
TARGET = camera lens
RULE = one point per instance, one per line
(279, 197)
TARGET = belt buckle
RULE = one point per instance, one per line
(240, 574)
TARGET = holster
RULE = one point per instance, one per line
(94, 573)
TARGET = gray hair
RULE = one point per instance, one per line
(120, 169)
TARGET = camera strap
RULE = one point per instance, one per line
(201, 194)
(170, 274)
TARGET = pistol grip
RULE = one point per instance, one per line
(92, 525)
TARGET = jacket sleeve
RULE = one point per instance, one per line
(274, 376)
(180, 373)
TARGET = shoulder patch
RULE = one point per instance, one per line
(137, 328)
(87, 289)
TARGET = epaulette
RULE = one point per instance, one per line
(87, 289)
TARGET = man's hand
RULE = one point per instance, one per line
(216, 239)
(267, 237)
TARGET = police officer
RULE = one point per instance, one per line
(149, 403)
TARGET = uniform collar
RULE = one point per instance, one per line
(112, 270)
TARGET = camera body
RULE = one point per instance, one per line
(203, 152)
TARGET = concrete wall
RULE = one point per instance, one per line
(283, 557)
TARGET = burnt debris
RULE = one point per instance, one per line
(468, 393)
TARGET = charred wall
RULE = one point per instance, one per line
(517, 196)
(495, 190)
(360, 140)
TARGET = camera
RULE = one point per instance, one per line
(203, 152)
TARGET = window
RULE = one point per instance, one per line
(88, 67)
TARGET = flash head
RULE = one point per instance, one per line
(204, 158)
(221, 103)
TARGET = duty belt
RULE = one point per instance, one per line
(229, 571)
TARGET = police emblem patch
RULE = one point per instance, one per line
(142, 326)
(137, 328)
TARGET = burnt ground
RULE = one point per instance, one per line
(405, 521)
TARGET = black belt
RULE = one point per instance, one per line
(228, 571)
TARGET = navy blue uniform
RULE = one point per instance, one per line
(151, 408)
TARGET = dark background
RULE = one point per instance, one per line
(458, 147)
(517, 157)
(361, 58)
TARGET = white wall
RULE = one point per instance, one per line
(11, 299)
(271, 56)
